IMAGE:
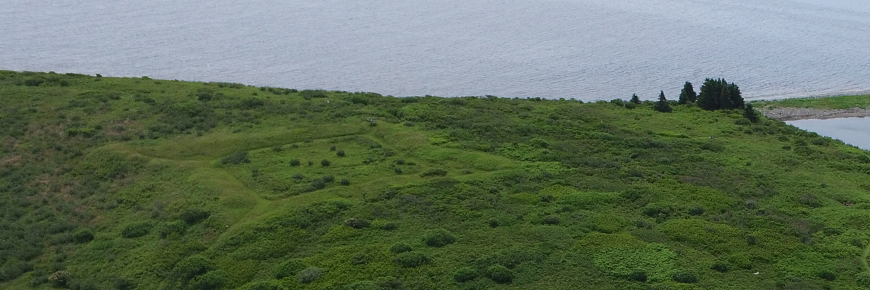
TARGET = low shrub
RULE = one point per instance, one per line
(434, 172)
(83, 236)
(551, 220)
(192, 266)
(400, 247)
(720, 267)
(438, 238)
(236, 158)
(345, 182)
(210, 281)
(295, 162)
(172, 227)
(193, 216)
(464, 274)
(359, 259)
(357, 223)
(340, 153)
(328, 178)
(639, 276)
(684, 277)
(411, 259)
(500, 274)
(135, 230)
(59, 278)
(325, 163)
(318, 184)
(288, 269)
(309, 275)
(827, 275)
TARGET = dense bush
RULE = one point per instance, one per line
(212, 280)
(434, 172)
(464, 274)
(827, 275)
(325, 162)
(500, 274)
(193, 216)
(309, 275)
(400, 247)
(136, 229)
(295, 162)
(684, 277)
(411, 259)
(191, 267)
(639, 276)
(59, 278)
(13, 268)
(357, 223)
(720, 267)
(236, 158)
(551, 220)
(288, 269)
(340, 153)
(83, 236)
(438, 238)
(173, 227)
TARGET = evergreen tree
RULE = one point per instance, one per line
(735, 96)
(635, 99)
(719, 94)
(750, 113)
(688, 95)
(662, 105)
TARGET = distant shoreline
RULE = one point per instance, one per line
(793, 114)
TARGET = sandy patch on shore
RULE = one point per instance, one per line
(791, 114)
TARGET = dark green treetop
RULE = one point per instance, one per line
(662, 105)
(688, 95)
(719, 94)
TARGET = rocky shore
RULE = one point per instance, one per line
(791, 114)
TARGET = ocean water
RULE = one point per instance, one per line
(853, 131)
(585, 49)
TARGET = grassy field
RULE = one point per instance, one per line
(135, 183)
(825, 103)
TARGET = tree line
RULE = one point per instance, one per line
(716, 94)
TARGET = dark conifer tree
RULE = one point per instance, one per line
(750, 113)
(735, 97)
(719, 94)
(635, 99)
(708, 99)
(662, 105)
(688, 95)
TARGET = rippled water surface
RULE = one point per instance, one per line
(587, 49)
(854, 131)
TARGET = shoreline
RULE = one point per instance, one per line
(794, 114)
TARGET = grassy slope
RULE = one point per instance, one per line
(561, 193)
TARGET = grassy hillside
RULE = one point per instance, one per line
(134, 183)
(824, 103)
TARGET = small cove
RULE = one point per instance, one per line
(853, 131)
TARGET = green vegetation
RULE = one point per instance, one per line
(823, 103)
(135, 183)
